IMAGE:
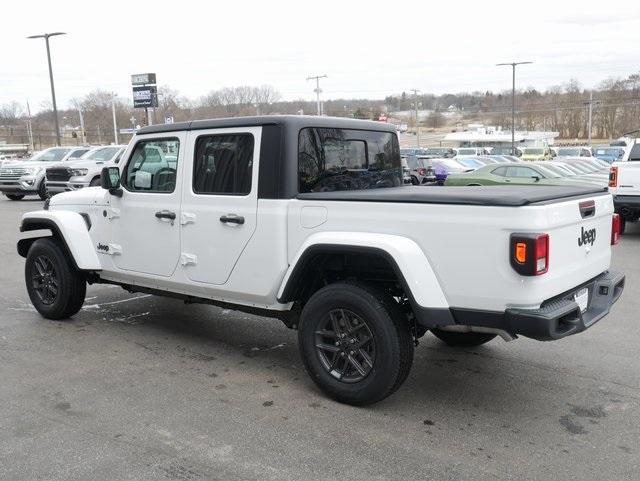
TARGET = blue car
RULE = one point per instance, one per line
(609, 154)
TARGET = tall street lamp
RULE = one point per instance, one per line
(53, 90)
(513, 102)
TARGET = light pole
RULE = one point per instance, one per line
(113, 111)
(416, 105)
(53, 90)
(513, 102)
(317, 90)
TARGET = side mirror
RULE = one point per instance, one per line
(110, 180)
(535, 178)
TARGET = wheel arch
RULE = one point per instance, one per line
(400, 255)
(70, 228)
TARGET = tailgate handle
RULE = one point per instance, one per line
(587, 208)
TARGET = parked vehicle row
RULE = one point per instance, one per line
(57, 169)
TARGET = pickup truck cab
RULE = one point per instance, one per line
(305, 219)
(83, 173)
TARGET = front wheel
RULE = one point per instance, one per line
(15, 196)
(56, 289)
(414, 180)
(355, 343)
(42, 191)
(95, 182)
(463, 339)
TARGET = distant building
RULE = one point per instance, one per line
(478, 135)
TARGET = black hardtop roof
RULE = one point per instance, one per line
(295, 121)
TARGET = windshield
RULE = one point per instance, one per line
(467, 152)
(50, 155)
(549, 172)
(562, 170)
(344, 159)
(533, 151)
(471, 163)
(582, 168)
(568, 152)
(102, 154)
(449, 165)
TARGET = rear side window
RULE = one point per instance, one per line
(223, 164)
(341, 159)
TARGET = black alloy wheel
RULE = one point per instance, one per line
(345, 346)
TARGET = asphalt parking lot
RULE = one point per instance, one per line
(143, 388)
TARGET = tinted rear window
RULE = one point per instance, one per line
(340, 159)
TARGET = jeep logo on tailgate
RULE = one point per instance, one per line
(587, 237)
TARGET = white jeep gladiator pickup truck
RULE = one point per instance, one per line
(305, 219)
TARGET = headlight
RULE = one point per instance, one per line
(79, 172)
(33, 170)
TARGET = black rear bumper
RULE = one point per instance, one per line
(556, 318)
(627, 204)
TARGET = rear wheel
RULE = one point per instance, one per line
(15, 196)
(462, 339)
(355, 343)
(56, 289)
(623, 224)
(414, 180)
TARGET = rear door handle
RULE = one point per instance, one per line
(166, 214)
(232, 219)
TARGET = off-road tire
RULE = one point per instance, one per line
(463, 339)
(70, 284)
(95, 182)
(391, 338)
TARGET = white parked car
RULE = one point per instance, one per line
(305, 219)
(85, 172)
(27, 177)
(624, 183)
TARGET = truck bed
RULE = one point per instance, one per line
(501, 196)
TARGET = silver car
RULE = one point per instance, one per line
(27, 177)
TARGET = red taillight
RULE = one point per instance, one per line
(529, 254)
(422, 171)
(615, 229)
(613, 177)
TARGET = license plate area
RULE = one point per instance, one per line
(582, 298)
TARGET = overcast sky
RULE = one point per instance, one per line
(367, 48)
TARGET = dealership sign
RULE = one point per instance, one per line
(145, 93)
(143, 79)
(145, 96)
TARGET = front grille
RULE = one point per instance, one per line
(58, 174)
(12, 173)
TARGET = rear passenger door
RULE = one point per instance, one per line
(219, 201)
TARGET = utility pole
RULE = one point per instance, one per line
(513, 102)
(590, 103)
(30, 128)
(415, 104)
(82, 133)
(53, 90)
(317, 91)
(113, 111)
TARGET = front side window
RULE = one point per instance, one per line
(341, 159)
(223, 164)
(152, 166)
(635, 153)
(520, 172)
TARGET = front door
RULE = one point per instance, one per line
(145, 221)
(219, 201)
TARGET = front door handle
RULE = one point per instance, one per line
(232, 219)
(166, 214)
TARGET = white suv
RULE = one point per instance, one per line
(85, 172)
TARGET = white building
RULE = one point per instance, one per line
(488, 136)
